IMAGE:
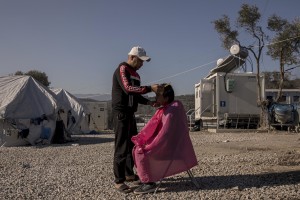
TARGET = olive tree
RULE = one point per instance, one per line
(248, 21)
(285, 45)
(273, 80)
(37, 75)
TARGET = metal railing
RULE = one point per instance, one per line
(190, 118)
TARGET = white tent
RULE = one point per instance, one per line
(75, 113)
(25, 104)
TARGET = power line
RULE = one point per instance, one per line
(283, 41)
(280, 41)
(181, 72)
(292, 68)
(215, 61)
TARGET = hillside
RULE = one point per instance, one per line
(188, 102)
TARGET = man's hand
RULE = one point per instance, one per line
(156, 88)
(153, 103)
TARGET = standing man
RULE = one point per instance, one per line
(126, 95)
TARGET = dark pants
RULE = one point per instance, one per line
(125, 128)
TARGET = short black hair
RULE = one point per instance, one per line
(168, 92)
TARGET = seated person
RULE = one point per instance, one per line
(163, 147)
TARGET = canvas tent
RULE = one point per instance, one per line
(27, 111)
(74, 113)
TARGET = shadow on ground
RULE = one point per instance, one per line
(80, 140)
(238, 182)
(90, 140)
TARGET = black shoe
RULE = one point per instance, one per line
(145, 188)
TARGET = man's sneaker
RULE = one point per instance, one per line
(145, 188)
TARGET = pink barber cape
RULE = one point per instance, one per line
(163, 147)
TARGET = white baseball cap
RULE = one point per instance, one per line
(140, 53)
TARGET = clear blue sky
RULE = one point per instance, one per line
(79, 43)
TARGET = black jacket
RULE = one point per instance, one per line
(126, 89)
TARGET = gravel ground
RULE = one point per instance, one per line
(231, 166)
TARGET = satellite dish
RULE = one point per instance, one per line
(234, 49)
(219, 61)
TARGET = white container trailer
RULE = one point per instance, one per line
(228, 99)
(99, 114)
